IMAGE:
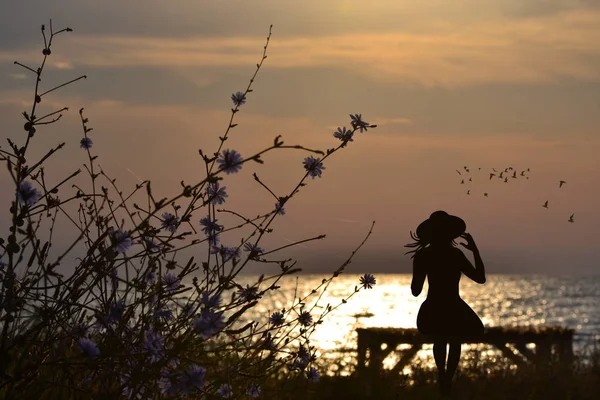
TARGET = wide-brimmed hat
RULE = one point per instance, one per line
(442, 225)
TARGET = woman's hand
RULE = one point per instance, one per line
(470, 245)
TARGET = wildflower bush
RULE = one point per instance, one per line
(132, 319)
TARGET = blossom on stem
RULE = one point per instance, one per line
(279, 208)
(313, 375)
(211, 228)
(209, 301)
(238, 98)
(314, 166)
(154, 344)
(27, 194)
(305, 318)
(115, 311)
(254, 390)
(248, 293)
(358, 123)
(120, 239)
(345, 135)
(192, 378)
(367, 281)
(208, 323)
(86, 143)
(225, 391)
(230, 161)
(88, 347)
(171, 281)
(276, 318)
(216, 194)
(253, 249)
(170, 222)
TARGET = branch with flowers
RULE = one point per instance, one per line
(129, 317)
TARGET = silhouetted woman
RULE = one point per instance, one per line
(444, 315)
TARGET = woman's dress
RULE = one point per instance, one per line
(444, 314)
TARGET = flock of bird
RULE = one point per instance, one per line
(504, 175)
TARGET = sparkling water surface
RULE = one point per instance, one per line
(504, 300)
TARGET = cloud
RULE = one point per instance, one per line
(382, 121)
(535, 50)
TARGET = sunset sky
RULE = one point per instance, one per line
(477, 83)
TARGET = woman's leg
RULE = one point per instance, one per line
(439, 354)
(453, 359)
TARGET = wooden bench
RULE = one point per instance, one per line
(375, 344)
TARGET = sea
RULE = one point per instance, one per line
(504, 300)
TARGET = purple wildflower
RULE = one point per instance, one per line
(88, 347)
(225, 391)
(209, 301)
(170, 222)
(154, 344)
(248, 293)
(27, 194)
(277, 318)
(209, 323)
(229, 161)
(171, 281)
(254, 390)
(86, 143)
(367, 281)
(357, 122)
(344, 134)
(151, 245)
(253, 249)
(279, 208)
(120, 239)
(303, 353)
(299, 363)
(305, 318)
(238, 98)
(226, 252)
(115, 311)
(210, 226)
(216, 194)
(192, 379)
(314, 166)
(313, 375)
(163, 314)
(151, 277)
(268, 342)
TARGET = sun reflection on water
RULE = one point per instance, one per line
(504, 300)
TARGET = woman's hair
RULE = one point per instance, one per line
(420, 244)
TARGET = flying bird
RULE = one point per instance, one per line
(470, 179)
(462, 182)
(485, 194)
(545, 204)
(469, 191)
(505, 180)
(515, 175)
(479, 168)
(572, 218)
(458, 172)
(492, 175)
(494, 169)
(527, 169)
(560, 183)
(500, 176)
(522, 173)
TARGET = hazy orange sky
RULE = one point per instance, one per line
(479, 83)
